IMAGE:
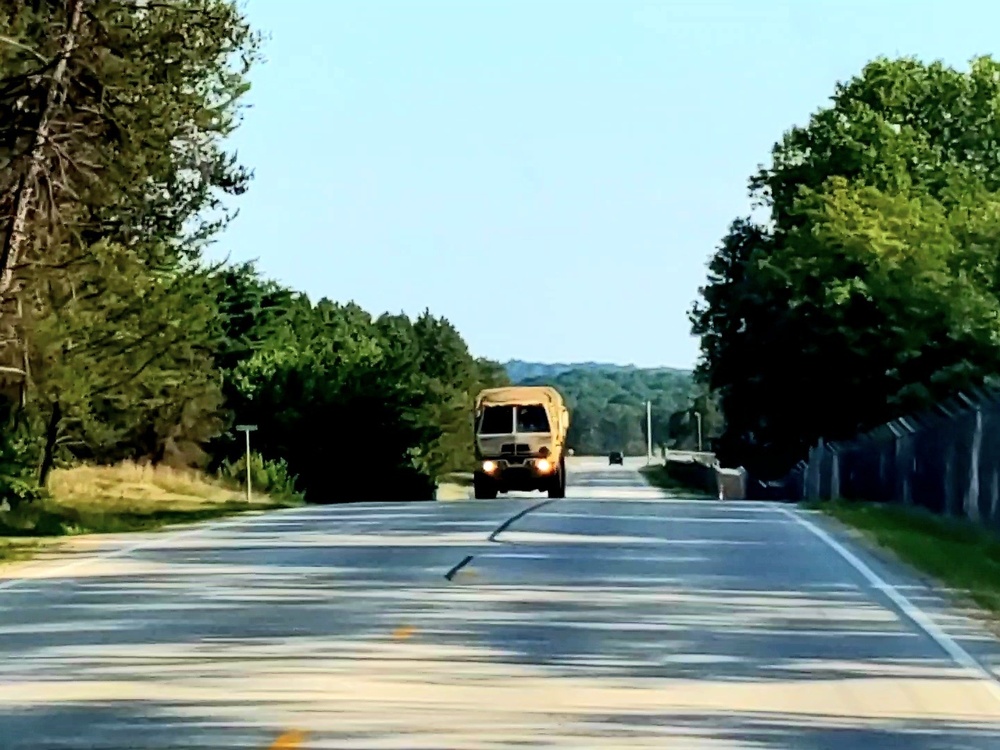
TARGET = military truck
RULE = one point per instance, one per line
(520, 441)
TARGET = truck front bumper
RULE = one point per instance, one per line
(529, 474)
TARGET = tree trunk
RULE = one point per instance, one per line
(49, 452)
(12, 242)
(13, 237)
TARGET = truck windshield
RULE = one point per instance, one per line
(497, 420)
(532, 418)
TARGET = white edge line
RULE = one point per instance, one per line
(151, 539)
(920, 618)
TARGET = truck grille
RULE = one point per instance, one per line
(517, 448)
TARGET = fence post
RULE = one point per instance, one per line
(972, 493)
(902, 471)
(813, 472)
(834, 476)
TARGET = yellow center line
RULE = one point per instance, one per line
(289, 741)
(404, 631)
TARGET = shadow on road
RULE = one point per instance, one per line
(608, 620)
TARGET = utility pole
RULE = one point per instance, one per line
(697, 416)
(247, 429)
(649, 430)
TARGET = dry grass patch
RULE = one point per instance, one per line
(455, 486)
(449, 491)
(121, 498)
(132, 486)
(12, 550)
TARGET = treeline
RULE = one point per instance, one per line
(119, 341)
(872, 288)
(608, 408)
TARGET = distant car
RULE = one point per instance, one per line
(616, 457)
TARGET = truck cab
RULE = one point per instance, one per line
(520, 441)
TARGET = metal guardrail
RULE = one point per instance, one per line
(704, 457)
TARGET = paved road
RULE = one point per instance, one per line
(614, 618)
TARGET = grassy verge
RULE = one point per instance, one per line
(12, 550)
(961, 555)
(455, 486)
(115, 499)
(676, 483)
(458, 478)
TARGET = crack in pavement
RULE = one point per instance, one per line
(496, 533)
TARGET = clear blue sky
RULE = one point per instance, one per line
(550, 175)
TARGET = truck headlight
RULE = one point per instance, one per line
(543, 465)
(489, 467)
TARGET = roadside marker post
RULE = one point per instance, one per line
(247, 429)
(649, 433)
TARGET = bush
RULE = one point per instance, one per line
(18, 482)
(271, 477)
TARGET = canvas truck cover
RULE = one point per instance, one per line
(546, 395)
(521, 394)
(521, 459)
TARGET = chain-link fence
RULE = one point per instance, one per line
(946, 460)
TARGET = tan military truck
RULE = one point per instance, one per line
(520, 441)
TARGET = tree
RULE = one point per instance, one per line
(114, 120)
(122, 363)
(112, 117)
(450, 378)
(360, 408)
(122, 342)
(682, 427)
(873, 288)
(345, 408)
(608, 407)
(900, 124)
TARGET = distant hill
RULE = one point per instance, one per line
(520, 371)
(608, 402)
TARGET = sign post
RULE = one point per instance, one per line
(649, 432)
(247, 428)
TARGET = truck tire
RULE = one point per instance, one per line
(557, 489)
(483, 488)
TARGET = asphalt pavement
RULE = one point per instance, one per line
(618, 617)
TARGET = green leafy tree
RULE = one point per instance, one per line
(360, 408)
(123, 363)
(117, 341)
(345, 411)
(112, 120)
(682, 426)
(873, 289)
(608, 406)
(450, 378)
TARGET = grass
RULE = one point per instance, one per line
(458, 478)
(455, 486)
(658, 476)
(961, 555)
(12, 550)
(116, 499)
(661, 477)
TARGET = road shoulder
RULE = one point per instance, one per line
(974, 629)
